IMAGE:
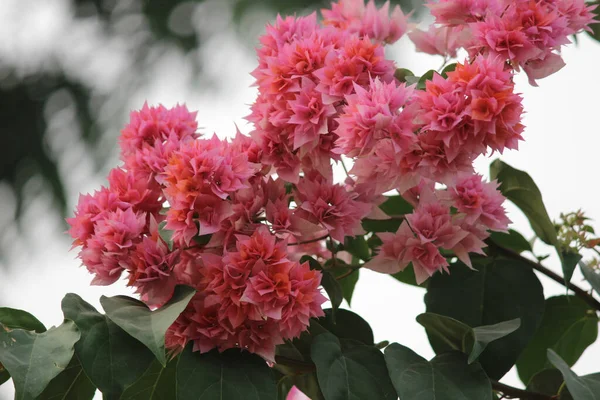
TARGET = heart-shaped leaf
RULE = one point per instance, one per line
(34, 359)
(350, 371)
(580, 387)
(71, 384)
(110, 357)
(231, 375)
(347, 325)
(568, 327)
(512, 240)
(19, 319)
(499, 291)
(149, 327)
(461, 337)
(445, 377)
(157, 383)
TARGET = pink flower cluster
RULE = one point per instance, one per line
(433, 226)
(527, 34)
(229, 224)
(305, 71)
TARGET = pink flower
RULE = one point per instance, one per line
(472, 243)
(353, 17)
(309, 114)
(108, 251)
(426, 259)
(331, 206)
(480, 201)
(156, 124)
(142, 192)
(390, 258)
(444, 40)
(461, 12)
(380, 111)
(296, 394)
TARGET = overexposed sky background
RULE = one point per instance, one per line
(562, 142)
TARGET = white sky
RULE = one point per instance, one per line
(561, 141)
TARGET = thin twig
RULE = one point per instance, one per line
(588, 298)
(510, 392)
(297, 364)
(309, 241)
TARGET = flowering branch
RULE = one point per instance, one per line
(510, 392)
(309, 241)
(588, 298)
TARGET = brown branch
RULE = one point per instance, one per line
(510, 392)
(309, 241)
(588, 298)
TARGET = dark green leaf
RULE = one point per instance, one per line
(407, 275)
(569, 262)
(568, 327)
(231, 375)
(519, 188)
(166, 234)
(354, 372)
(581, 388)
(347, 325)
(547, 381)
(149, 327)
(19, 319)
(157, 383)
(422, 84)
(358, 247)
(591, 276)
(4, 375)
(34, 359)
(381, 225)
(333, 289)
(71, 384)
(402, 73)
(445, 377)
(110, 357)
(314, 264)
(499, 291)
(595, 33)
(512, 240)
(396, 206)
(347, 283)
(461, 337)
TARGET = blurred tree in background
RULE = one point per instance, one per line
(30, 95)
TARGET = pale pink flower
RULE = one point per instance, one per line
(439, 40)
(472, 243)
(353, 16)
(390, 257)
(331, 206)
(296, 394)
(425, 258)
(461, 12)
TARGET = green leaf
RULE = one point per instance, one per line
(166, 234)
(512, 240)
(547, 381)
(314, 264)
(569, 262)
(34, 359)
(348, 283)
(149, 327)
(422, 84)
(71, 384)
(396, 205)
(568, 327)
(231, 375)
(381, 225)
(4, 375)
(581, 388)
(448, 68)
(407, 275)
(595, 33)
(157, 383)
(110, 357)
(499, 291)
(461, 337)
(358, 247)
(333, 289)
(350, 372)
(592, 277)
(402, 73)
(518, 187)
(19, 319)
(347, 325)
(445, 377)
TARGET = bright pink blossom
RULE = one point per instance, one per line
(296, 394)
